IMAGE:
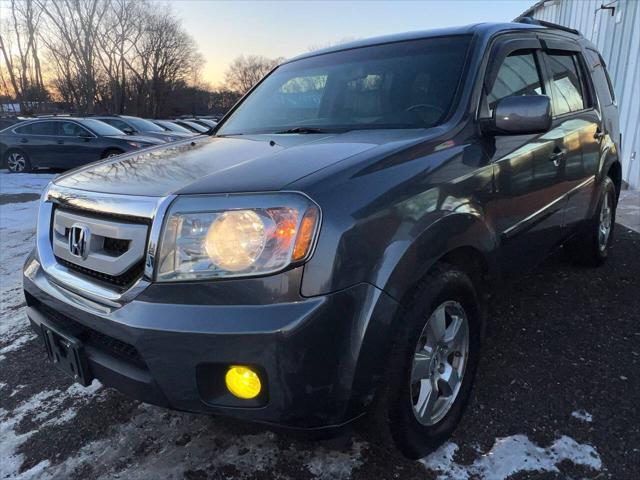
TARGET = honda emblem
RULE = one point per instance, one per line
(79, 237)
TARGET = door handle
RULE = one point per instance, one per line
(60, 142)
(599, 135)
(24, 140)
(556, 158)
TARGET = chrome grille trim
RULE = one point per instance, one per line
(101, 229)
(132, 206)
(151, 209)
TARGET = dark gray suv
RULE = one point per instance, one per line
(329, 250)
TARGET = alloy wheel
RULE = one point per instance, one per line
(16, 162)
(439, 363)
(604, 227)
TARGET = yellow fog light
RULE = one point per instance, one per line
(243, 382)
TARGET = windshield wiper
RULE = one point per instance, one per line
(302, 130)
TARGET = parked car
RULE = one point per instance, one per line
(140, 126)
(6, 122)
(64, 143)
(205, 122)
(193, 126)
(329, 252)
(170, 126)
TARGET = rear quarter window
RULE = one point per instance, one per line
(601, 78)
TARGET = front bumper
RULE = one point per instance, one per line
(320, 357)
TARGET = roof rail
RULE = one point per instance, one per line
(542, 23)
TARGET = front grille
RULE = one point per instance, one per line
(89, 336)
(116, 246)
(122, 282)
(98, 247)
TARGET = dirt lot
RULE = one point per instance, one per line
(557, 393)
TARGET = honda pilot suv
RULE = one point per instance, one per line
(329, 250)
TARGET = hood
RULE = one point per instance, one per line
(249, 163)
(138, 138)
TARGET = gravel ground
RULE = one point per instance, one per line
(557, 393)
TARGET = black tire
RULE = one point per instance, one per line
(393, 410)
(112, 152)
(21, 165)
(588, 248)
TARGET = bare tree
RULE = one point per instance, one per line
(72, 37)
(245, 71)
(121, 56)
(20, 54)
(120, 31)
(165, 56)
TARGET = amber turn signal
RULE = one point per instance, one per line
(306, 232)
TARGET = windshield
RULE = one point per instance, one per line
(399, 85)
(174, 127)
(143, 125)
(100, 128)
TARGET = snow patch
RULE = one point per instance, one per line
(196, 443)
(42, 408)
(330, 464)
(24, 182)
(511, 455)
(582, 415)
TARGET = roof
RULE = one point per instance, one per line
(478, 28)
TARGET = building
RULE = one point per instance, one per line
(614, 27)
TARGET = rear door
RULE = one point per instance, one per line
(528, 184)
(576, 129)
(39, 140)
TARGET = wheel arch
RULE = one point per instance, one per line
(461, 240)
(111, 148)
(614, 172)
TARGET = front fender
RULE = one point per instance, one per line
(406, 266)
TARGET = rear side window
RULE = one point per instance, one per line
(603, 67)
(39, 128)
(567, 85)
(518, 75)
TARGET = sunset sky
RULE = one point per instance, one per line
(226, 29)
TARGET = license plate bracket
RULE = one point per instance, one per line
(67, 353)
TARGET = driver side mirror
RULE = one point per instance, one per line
(85, 134)
(520, 115)
(128, 130)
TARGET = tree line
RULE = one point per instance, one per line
(113, 56)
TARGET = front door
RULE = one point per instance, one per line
(80, 146)
(527, 209)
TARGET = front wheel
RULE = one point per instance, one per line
(17, 162)
(433, 365)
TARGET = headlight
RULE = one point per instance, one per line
(236, 235)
